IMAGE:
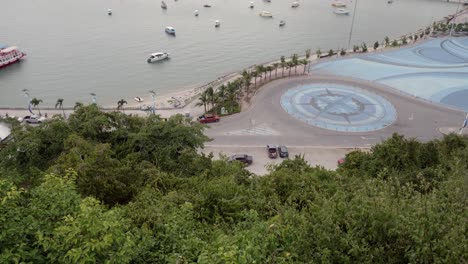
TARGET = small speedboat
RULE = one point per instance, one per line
(138, 99)
(217, 23)
(338, 4)
(163, 5)
(295, 4)
(269, 1)
(390, 1)
(341, 11)
(196, 12)
(265, 14)
(157, 56)
(170, 30)
(206, 5)
(109, 12)
(282, 23)
(251, 5)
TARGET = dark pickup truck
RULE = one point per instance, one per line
(244, 158)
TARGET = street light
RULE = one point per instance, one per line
(93, 96)
(352, 23)
(153, 96)
(456, 13)
(28, 99)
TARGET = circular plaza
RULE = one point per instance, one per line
(338, 107)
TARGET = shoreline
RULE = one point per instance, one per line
(183, 101)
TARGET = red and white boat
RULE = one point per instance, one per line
(9, 55)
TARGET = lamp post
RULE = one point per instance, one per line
(93, 97)
(28, 99)
(465, 123)
(456, 13)
(153, 97)
(352, 23)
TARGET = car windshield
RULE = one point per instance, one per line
(272, 150)
(284, 149)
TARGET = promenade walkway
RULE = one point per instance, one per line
(435, 70)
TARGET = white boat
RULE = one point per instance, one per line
(265, 14)
(338, 4)
(157, 56)
(138, 99)
(163, 5)
(170, 30)
(109, 12)
(295, 4)
(341, 11)
(196, 12)
(251, 5)
(282, 23)
(217, 23)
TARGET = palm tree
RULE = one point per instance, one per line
(275, 67)
(203, 100)
(387, 41)
(120, 104)
(59, 105)
(307, 56)
(283, 64)
(232, 94)
(247, 80)
(254, 74)
(222, 93)
(35, 102)
(319, 53)
(260, 70)
(304, 62)
(269, 69)
(211, 96)
(77, 105)
(290, 64)
(295, 61)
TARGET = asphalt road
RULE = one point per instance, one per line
(265, 122)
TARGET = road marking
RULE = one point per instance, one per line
(260, 130)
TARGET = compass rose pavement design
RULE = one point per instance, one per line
(338, 107)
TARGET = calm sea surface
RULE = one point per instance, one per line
(74, 48)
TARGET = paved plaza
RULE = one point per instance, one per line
(435, 70)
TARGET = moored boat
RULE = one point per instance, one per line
(217, 23)
(265, 14)
(163, 5)
(170, 30)
(138, 99)
(196, 12)
(109, 12)
(282, 23)
(295, 4)
(251, 5)
(338, 4)
(341, 11)
(206, 5)
(158, 56)
(9, 55)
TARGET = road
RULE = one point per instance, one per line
(265, 122)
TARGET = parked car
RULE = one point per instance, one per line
(341, 161)
(283, 151)
(33, 119)
(244, 158)
(208, 118)
(272, 153)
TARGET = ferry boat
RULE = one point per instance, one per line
(9, 55)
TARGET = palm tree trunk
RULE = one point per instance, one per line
(63, 111)
(204, 105)
(305, 67)
(39, 110)
(276, 73)
(282, 73)
(290, 71)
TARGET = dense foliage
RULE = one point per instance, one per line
(112, 188)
